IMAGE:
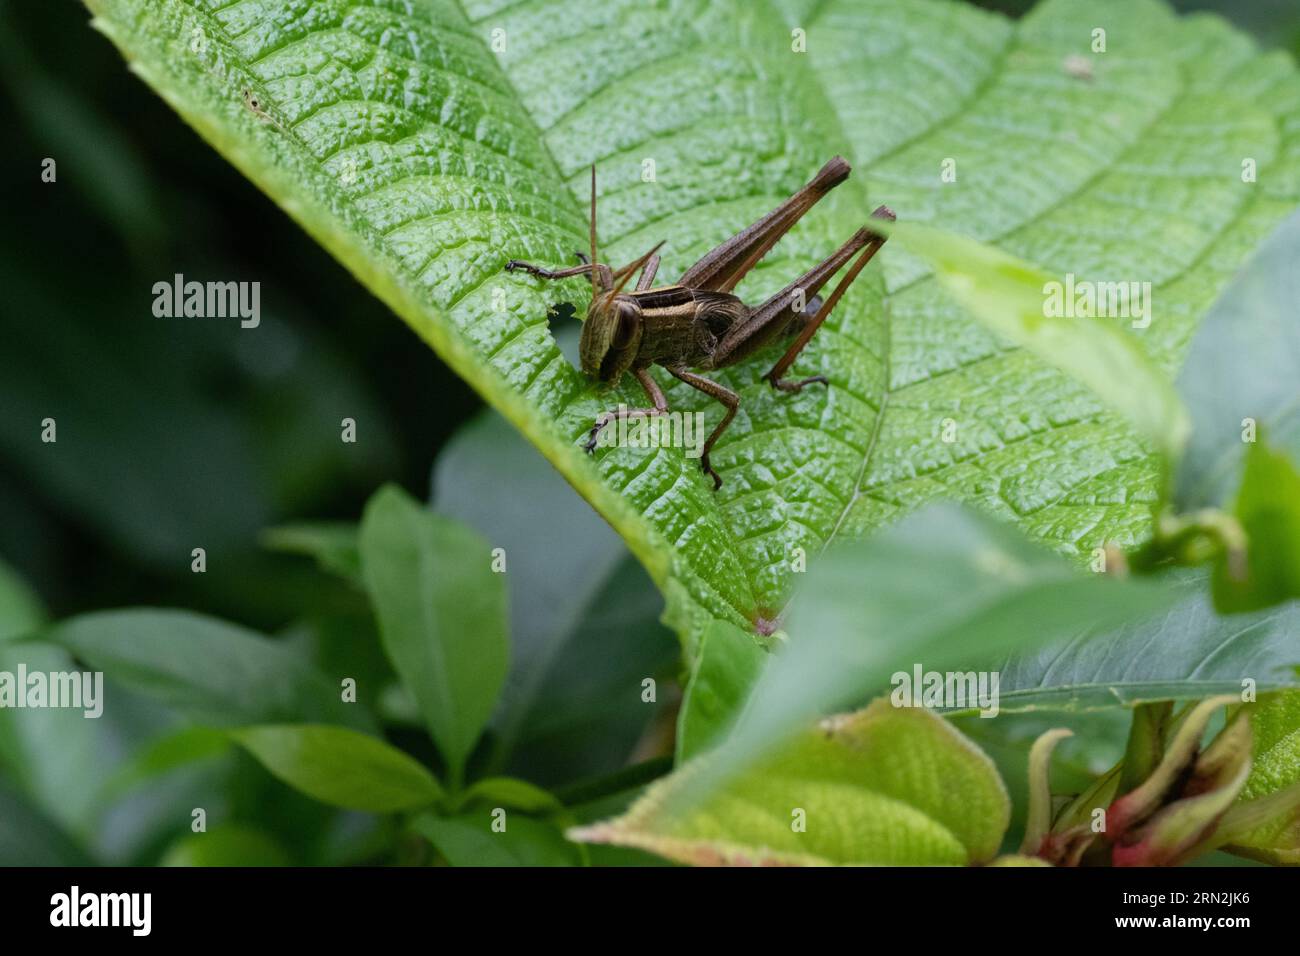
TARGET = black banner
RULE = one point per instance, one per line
(564, 907)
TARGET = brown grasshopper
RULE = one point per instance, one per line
(698, 322)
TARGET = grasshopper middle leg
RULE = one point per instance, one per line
(729, 399)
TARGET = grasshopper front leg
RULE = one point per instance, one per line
(604, 276)
(659, 407)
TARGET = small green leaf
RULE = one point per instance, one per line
(1268, 508)
(332, 543)
(214, 672)
(164, 754)
(510, 792)
(229, 844)
(20, 609)
(469, 840)
(886, 786)
(1028, 307)
(728, 663)
(341, 767)
(584, 628)
(1275, 768)
(442, 616)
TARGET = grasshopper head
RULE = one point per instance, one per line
(611, 337)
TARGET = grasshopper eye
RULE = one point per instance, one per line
(626, 330)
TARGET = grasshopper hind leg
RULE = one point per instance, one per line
(810, 325)
(796, 327)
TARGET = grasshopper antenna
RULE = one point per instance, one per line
(629, 270)
(594, 285)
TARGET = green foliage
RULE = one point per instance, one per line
(1184, 651)
(1014, 299)
(584, 629)
(468, 840)
(945, 588)
(341, 767)
(212, 671)
(423, 160)
(885, 786)
(1268, 507)
(1240, 377)
(359, 153)
(726, 668)
(1239, 381)
(230, 845)
(29, 838)
(332, 544)
(20, 609)
(1274, 771)
(442, 616)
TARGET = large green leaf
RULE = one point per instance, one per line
(424, 159)
(584, 628)
(952, 591)
(1183, 652)
(1243, 369)
(212, 671)
(885, 786)
(442, 616)
(944, 590)
(1275, 767)
(56, 756)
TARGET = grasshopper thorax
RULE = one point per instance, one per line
(611, 337)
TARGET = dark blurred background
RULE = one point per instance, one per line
(183, 433)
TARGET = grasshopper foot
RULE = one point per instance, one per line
(785, 385)
(593, 436)
(708, 470)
